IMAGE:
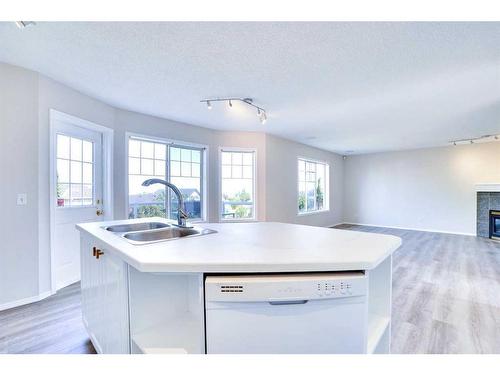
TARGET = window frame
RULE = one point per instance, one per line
(254, 185)
(326, 205)
(172, 143)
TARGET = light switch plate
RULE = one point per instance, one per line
(22, 199)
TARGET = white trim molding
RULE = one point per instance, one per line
(107, 174)
(414, 229)
(488, 188)
(25, 301)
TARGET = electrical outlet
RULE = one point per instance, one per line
(22, 199)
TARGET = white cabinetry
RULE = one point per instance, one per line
(104, 298)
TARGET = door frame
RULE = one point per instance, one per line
(107, 174)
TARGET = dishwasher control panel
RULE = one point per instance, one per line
(285, 287)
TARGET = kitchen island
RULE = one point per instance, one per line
(152, 297)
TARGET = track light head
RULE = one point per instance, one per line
(230, 103)
(258, 112)
(263, 118)
(209, 105)
(25, 24)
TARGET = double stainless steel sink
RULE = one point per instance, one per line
(146, 233)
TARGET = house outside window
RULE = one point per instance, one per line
(181, 165)
(313, 178)
(237, 181)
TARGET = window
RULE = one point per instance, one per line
(75, 171)
(237, 184)
(178, 164)
(313, 186)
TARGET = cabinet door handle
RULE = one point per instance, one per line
(98, 253)
(94, 251)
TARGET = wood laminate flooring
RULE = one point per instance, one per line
(53, 325)
(445, 292)
(446, 299)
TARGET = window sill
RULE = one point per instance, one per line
(307, 213)
(238, 220)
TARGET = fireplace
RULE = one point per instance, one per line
(495, 225)
(488, 213)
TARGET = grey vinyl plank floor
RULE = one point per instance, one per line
(445, 292)
(53, 325)
(446, 299)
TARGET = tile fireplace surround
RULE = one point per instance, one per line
(488, 198)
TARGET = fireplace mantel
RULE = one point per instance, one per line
(488, 188)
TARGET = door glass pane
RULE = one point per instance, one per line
(76, 171)
(72, 172)
(76, 149)
(87, 191)
(87, 148)
(87, 173)
(62, 170)
(62, 146)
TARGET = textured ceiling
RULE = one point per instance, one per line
(364, 87)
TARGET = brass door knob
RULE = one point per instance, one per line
(99, 212)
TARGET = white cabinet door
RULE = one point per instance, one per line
(116, 305)
(105, 299)
(92, 295)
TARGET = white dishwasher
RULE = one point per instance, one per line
(286, 313)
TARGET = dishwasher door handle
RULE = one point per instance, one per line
(291, 302)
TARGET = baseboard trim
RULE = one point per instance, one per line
(334, 225)
(25, 301)
(414, 229)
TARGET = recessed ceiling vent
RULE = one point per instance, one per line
(231, 289)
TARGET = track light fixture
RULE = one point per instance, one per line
(261, 112)
(481, 139)
(263, 118)
(25, 24)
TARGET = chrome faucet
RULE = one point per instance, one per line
(181, 211)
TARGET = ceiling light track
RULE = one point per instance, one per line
(481, 139)
(25, 24)
(261, 112)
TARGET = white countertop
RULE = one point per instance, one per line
(251, 247)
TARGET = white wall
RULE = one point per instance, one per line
(18, 171)
(24, 167)
(428, 189)
(281, 183)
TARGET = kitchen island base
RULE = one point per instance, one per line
(165, 312)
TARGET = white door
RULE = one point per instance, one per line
(77, 165)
